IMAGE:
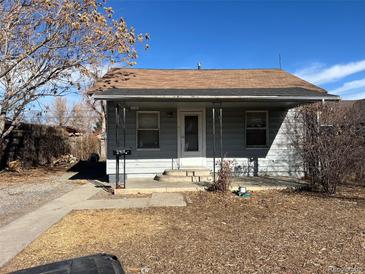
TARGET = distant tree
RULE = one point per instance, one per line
(59, 113)
(35, 117)
(46, 45)
(77, 117)
(83, 117)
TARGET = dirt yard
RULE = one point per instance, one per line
(27, 176)
(273, 232)
(25, 191)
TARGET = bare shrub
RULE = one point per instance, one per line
(331, 140)
(83, 147)
(224, 179)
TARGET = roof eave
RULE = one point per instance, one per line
(317, 98)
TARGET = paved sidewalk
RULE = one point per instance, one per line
(15, 236)
(156, 200)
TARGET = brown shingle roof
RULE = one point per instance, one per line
(129, 78)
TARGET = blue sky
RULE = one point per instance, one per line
(323, 42)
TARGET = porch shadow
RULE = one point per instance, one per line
(87, 170)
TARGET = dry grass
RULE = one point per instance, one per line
(33, 175)
(273, 232)
(92, 232)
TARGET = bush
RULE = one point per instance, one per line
(85, 146)
(332, 143)
(224, 179)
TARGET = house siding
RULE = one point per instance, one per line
(168, 137)
(280, 158)
(143, 162)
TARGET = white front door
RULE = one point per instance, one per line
(191, 138)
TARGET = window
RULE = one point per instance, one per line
(256, 129)
(148, 129)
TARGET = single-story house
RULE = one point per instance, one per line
(184, 119)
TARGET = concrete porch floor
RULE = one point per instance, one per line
(267, 183)
(149, 185)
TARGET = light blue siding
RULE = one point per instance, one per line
(168, 131)
(278, 159)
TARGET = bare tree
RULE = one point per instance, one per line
(98, 106)
(59, 113)
(80, 115)
(331, 142)
(45, 44)
(83, 117)
(35, 117)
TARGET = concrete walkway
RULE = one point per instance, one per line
(156, 200)
(15, 236)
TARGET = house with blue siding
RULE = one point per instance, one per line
(173, 122)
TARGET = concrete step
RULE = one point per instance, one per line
(174, 179)
(183, 179)
(202, 179)
(187, 172)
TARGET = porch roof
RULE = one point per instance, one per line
(206, 85)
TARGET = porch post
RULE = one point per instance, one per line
(124, 148)
(213, 116)
(221, 132)
(117, 146)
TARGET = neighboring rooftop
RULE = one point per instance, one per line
(204, 79)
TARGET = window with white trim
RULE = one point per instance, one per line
(148, 129)
(256, 129)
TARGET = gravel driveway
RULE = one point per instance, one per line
(17, 200)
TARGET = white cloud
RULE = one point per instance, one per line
(354, 96)
(350, 86)
(317, 73)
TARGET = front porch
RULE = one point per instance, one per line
(176, 135)
(149, 185)
(161, 120)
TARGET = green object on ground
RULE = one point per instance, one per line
(245, 195)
